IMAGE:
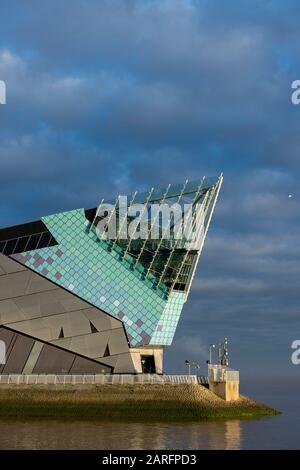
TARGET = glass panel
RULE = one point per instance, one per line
(10, 246)
(45, 239)
(33, 242)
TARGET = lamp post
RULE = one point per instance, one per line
(211, 346)
(225, 351)
(220, 346)
(189, 366)
(196, 365)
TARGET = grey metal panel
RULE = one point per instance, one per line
(24, 355)
(84, 366)
(62, 342)
(6, 335)
(21, 283)
(71, 302)
(37, 328)
(51, 308)
(102, 321)
(53, 361)
(74, 323)
(22, 306)
(118, 342)
(8, 338)
(48, 328)
(33, 357)
(38, 284)
(9, 312)
(110, 360)
(8, 265)
(124, 364)
(12, 285)
(18, 355)
(92, 345)
(32, 305)
(35, 305)
(50, 301)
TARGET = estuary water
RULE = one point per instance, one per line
(278, 432)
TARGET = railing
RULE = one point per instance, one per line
(99, 379)
(218, 373)
(202, 380)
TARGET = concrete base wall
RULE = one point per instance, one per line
(229, 390)
(157, 352)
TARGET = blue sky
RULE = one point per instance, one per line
(112, 96)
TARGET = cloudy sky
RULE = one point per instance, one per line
(112, 96)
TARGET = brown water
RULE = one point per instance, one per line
(278, 432)
(55, 435)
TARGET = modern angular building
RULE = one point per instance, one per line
(73, 301)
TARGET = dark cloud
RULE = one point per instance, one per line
(106, 97)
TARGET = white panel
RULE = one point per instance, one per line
(33, 357)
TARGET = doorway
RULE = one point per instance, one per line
(148, 365)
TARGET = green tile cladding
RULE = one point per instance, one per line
(167, 324)
(81, 264)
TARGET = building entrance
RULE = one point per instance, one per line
(148, 365)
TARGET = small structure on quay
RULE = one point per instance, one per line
(222, 380)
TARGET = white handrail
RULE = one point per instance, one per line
(101, 379)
